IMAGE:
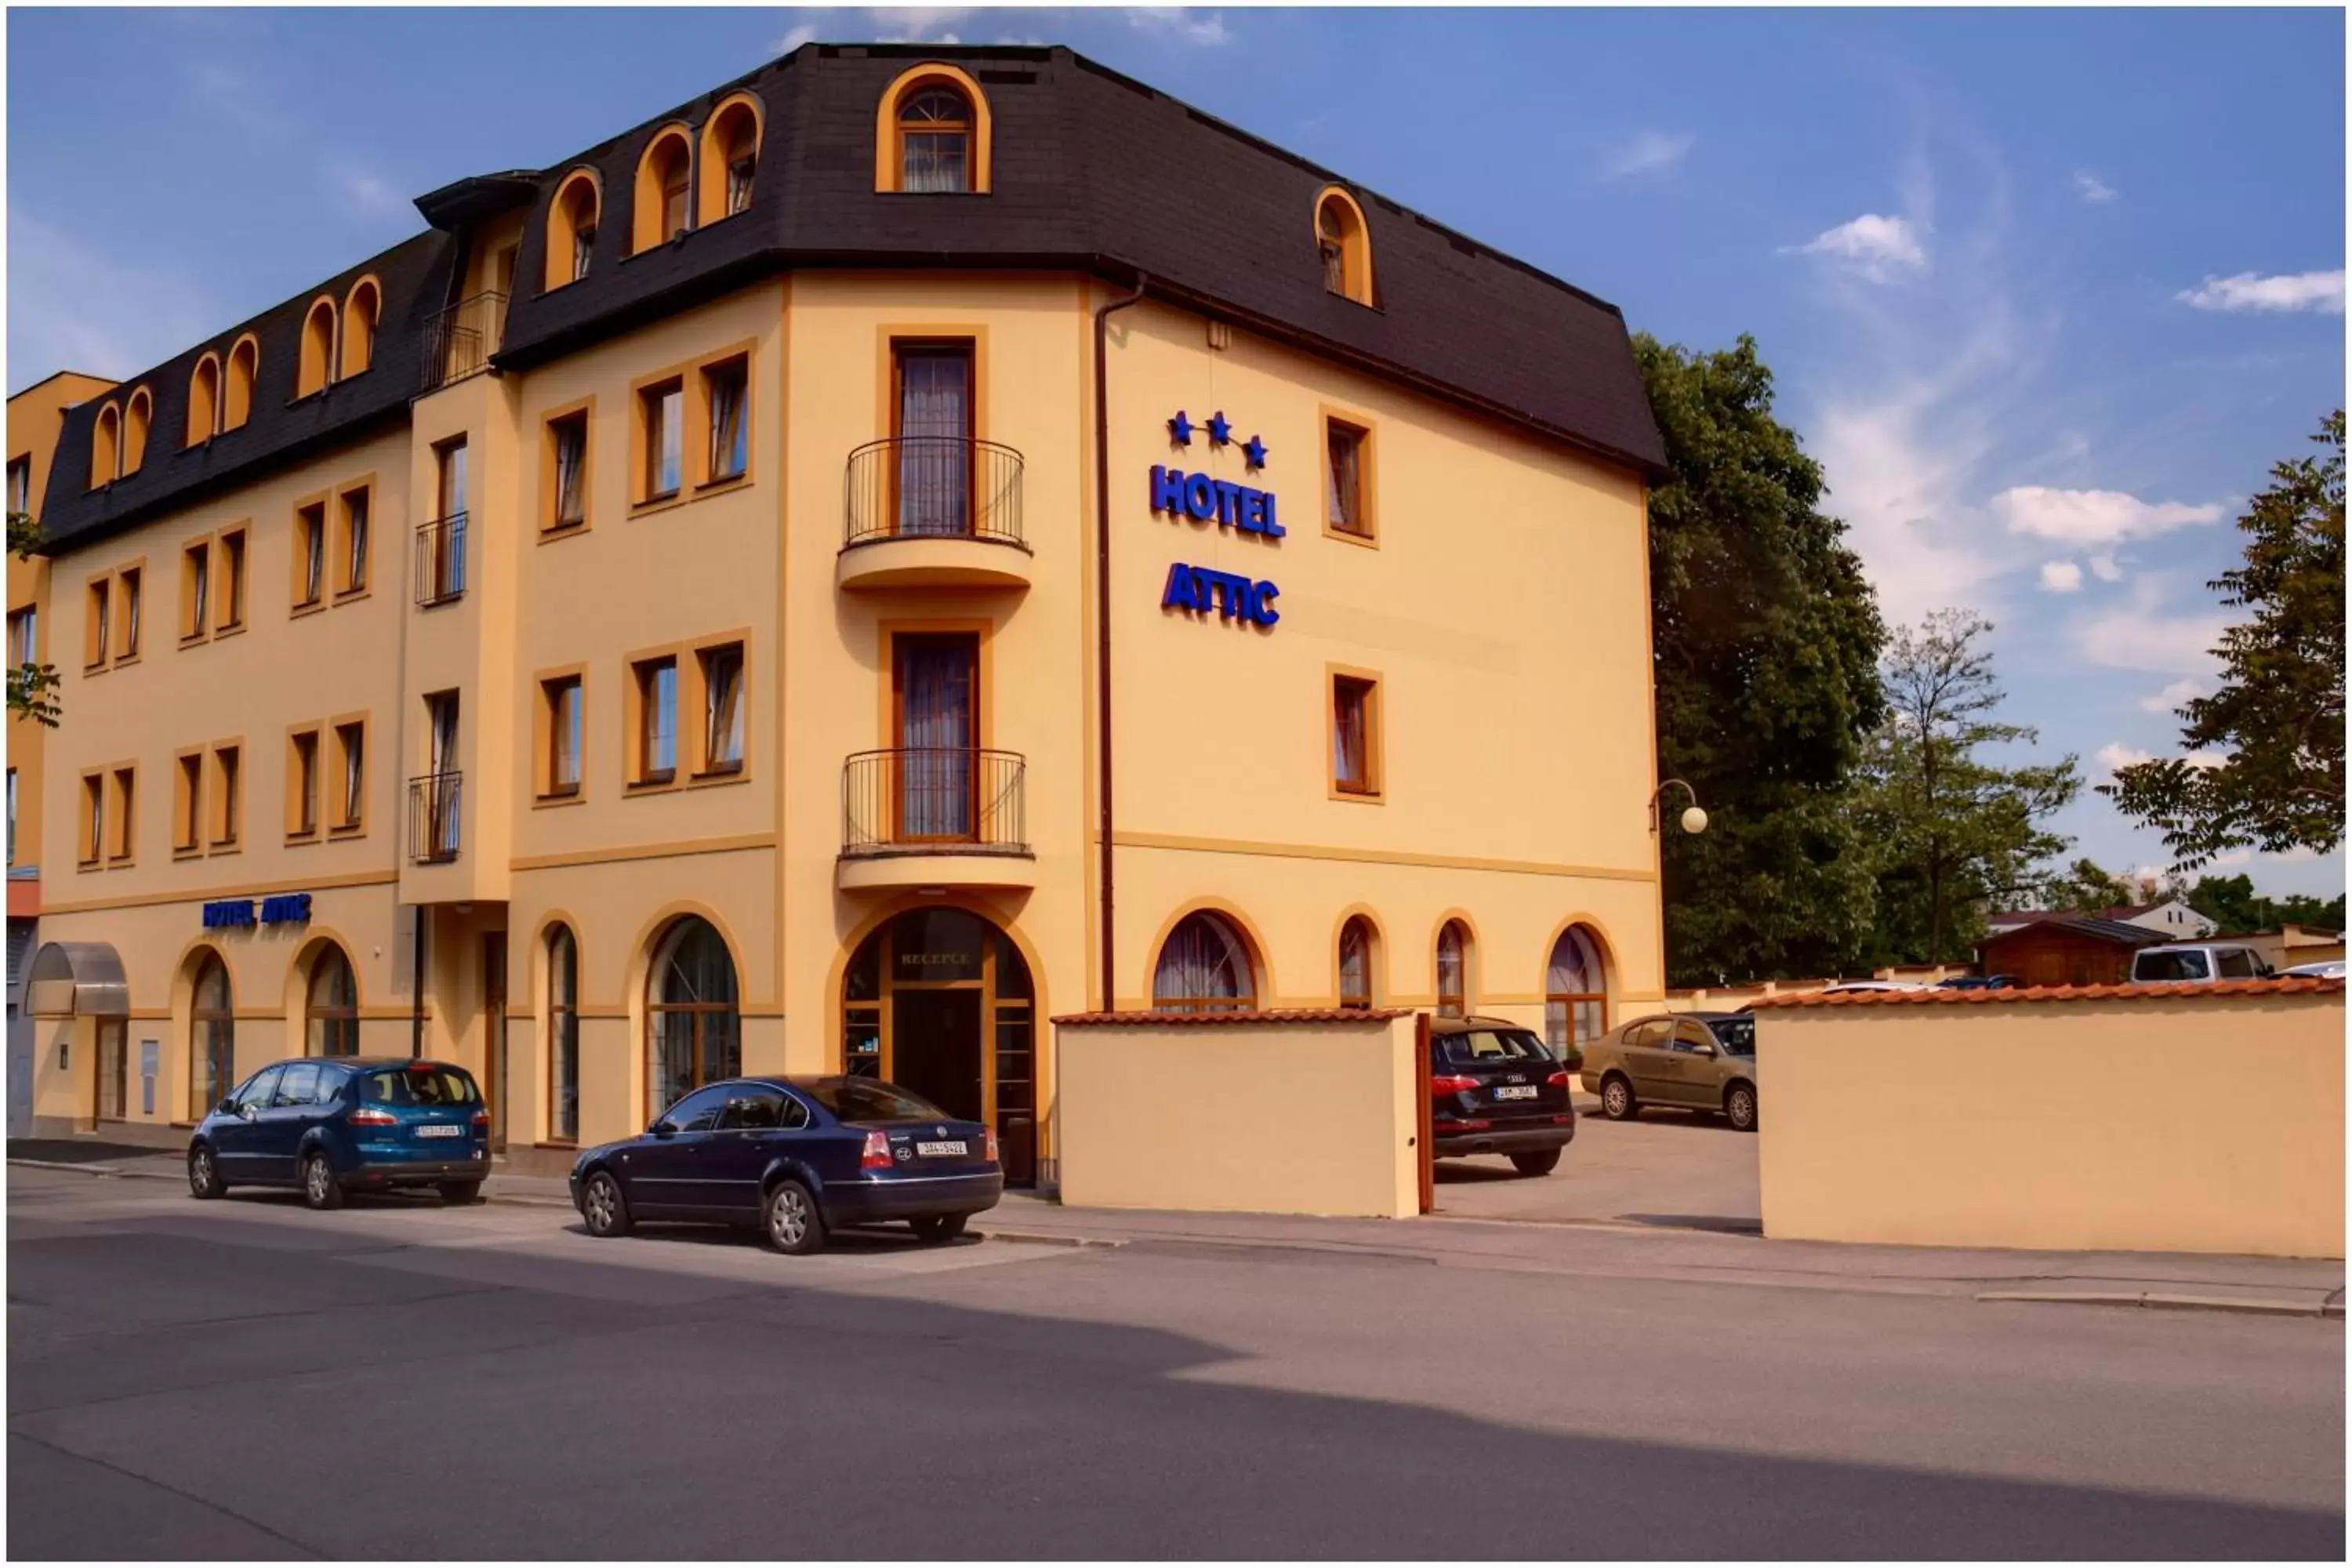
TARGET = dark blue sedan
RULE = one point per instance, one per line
(330, 1125)
(799, 1157)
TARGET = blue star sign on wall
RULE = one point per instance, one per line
(1256, 452)
(1180, 429)
(1221, 432)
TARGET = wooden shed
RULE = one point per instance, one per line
(2066, 950)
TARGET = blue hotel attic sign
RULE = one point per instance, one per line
(278, 909)
(1205, 498)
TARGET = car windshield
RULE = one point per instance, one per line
(2171, 966)
(870, 1100)
(1474, 1045)
(418, 1086)
(1737, 1034)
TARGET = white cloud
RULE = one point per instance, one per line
(2115, 756)
(2145, 636)
(1649, 152)
(2281, 291)
(2093, 517)
(2061, 577)
(366, 194)
(805, 33)
(2104, 567)
(2091, 188)
(916, 23)
(2171, 699)
(1877, 247)
(1190, 26)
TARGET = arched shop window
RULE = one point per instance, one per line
(1454, 971)
(1576, 991)
(212, 1037)
(1205, 967)
(694, 1034)
(1356, 944)
(331, 1014)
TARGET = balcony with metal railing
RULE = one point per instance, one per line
(460, 340)
(441, 561)
(935, 817)
(436, 817)
(932, 511)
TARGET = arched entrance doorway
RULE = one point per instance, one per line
(940, 1001)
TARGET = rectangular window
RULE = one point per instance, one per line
(228, 796)
(98, 632)
(1344, 450)
(188, 803)
(302, 784)
(20, 485)
(722, 707)
(351, 775)
(310, 555)
(24, 635)
(656, 741)
(565, 715)
(232, 587)
(739, 185)
(449, 478)
(724, 388)
(1355, 735)
(93, 818)
(663, 417)
(129, 600)
(352, 557)
(584, 248)
(122, 814)
(568, 451)
(933, 426)
(195, 590)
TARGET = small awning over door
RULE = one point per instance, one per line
(77, 979)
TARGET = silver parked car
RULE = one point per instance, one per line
(1701, 1061)
(2190, 961)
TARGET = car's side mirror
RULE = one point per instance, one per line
(227, 1107)
(662, 1130)
(1707, 1050)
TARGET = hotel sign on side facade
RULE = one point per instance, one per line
(1244, 508)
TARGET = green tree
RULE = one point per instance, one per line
(1765, 641)
(1958, 834)
(2278, 718)
(2232, 902)
(2087, 886)
(32, 688)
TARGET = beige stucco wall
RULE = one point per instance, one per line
(2181, 1124)
(1151, 1117)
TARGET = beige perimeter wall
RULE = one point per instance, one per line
(2189, 1124)
(1176, 1117)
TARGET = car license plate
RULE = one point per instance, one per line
(952, 1146)
(1515, 1091)
(440, 1132)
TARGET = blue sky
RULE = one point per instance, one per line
(2047, 292)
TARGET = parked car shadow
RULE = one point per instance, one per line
(878, 1242)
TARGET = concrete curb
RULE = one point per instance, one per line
(1040, 1238)
(72, 1169)
(2265, 1306)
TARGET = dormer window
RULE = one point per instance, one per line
(731, 158)
(1344, 245)
(571, 228)
(361, 310)
(137, 415)
(106, 446)
(663, 180)
(244, 366)
(203, 401)
(931, 133)
(318, 362)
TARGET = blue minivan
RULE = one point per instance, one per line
(330, 1125)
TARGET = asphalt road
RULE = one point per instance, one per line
(246, 1379)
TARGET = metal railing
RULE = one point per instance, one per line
(434, 818)
(441, 559)
(927, 799)
(932, 487)
(460, 340)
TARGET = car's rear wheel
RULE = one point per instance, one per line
(1541, 1162)
(604, 1206)
(1617, 1101)
(1740, 1105)
(790, 1221)
(939, 1227)
(461, 1192)
(203, 1173)
(319, 1188)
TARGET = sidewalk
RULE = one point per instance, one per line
(2189, 1281)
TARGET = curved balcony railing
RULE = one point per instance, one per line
(460, 340)
(933, 486)
(929, 800)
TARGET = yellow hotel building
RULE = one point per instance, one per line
(912, 543)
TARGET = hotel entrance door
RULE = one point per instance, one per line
(935, 1049)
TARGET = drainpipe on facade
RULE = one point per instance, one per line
(1102, 623)
(416, 986)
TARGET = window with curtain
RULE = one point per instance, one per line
(724, 386)
(352, 741)
(584, 241)
(1356, 963)
(937, 727)
(657, 720)
(1453, 971)
(723, 704)
(311, 522)
(331, 1014)
(233, 567)
(228, 808)
(691, 1018)
(740, 170)
(196, 578)
(935, 438)
(100, 637)
(305, 815)
(1332, 245)
(1205, 967)
(133, 597)
(564, 718)
(356, 540)
(562, 1034)
(663, 408)
(935, 142)
(212, 1038)
(1576, 991)
(570, 435)
(1344, 476)
(1354, 735)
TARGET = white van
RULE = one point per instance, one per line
(2180, 960)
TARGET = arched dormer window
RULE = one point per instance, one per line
(933, 132)
(106, 446)
(1345, 245)
(137, 415)
(572, 228)
(731, 157)
(318, 362)
(663, 174)
(244, 367)
(203, 401)
(361, 310)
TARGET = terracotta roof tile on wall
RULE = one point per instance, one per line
(1266, 1015)
(2170, 991)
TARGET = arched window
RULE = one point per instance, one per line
(694, 1035)
(1576, 991)
(731, 157)
(662, 174)
(1357, 941)
(212, 1037)
(106, 446)
(1205, 967)
(571, 228)
(1454, 970)
(137, 415)
(1344, 245)
(330, 1011)
(931, 133)
(244, 365)
(203, 401)
(318, 364)
(360, 311)
(562, 1033)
